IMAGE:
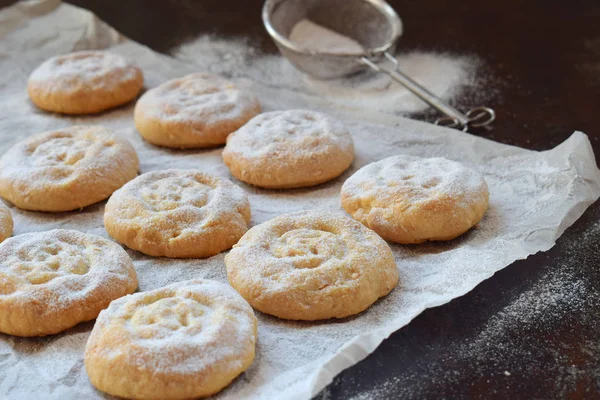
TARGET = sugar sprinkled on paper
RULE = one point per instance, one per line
(314, 37)
(534, 196)
(446, 75)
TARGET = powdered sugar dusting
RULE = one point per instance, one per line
(93, 69)
(314, 37)
(189, 327)
(534, 197)
(290, 134)
(55, 269)
(418, 179)
(198, 98)
(311, 265)
(517, 339)
(6, 222)
(169, 208)
(88, 157)
(445, 74)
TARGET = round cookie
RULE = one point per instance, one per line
(6, 222)
(66, 169)
(409, 199)
(198, 110)
(289, 149)
(178, 213)
(53, 280)
(84, 82)
(311, 265)
(186, 340)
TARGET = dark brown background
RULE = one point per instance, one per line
(542, 60)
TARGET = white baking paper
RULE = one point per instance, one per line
(534, 197)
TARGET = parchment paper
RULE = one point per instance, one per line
(534, 196)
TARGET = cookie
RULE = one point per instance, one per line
(409, 199)
(289, 149)
(84, 82)
(186, 340)
(311, 265)
(178, 213)
(53, 280)
(66, 169)
(198, 110)
(6, 222)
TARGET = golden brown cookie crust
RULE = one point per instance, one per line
(289, 149)
(84, 82)
(186, 340)
(311, 265)
(6, 222)
(53, 280)
(197, 110)
(409, 199)
(178, 213)
(66, 169)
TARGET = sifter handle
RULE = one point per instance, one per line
(476, 117)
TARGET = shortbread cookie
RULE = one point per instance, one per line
(411, 200)
(84, 82)
(183, 341)
(198, 110)
(289, 149)
(311, 265)
(66, 169)
(53, 280)
(178, 213)
(6, 222)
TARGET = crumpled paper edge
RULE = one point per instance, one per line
(576, 147)
(578, 152)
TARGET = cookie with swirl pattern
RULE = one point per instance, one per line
(311, 265)
(53, 280)
(178, 213)
(182, 341)
(84, 82)
(66, 169)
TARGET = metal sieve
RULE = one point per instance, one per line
(373, 24)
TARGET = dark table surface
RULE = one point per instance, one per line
(532, 330)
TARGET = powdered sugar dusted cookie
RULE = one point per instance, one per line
(66, 169)
(288, 149)
(84, 82)
(311, 265)
(411, 200)
(186, 340)
(178, 213)
(6, 222)
(51, 281)
(198, 110)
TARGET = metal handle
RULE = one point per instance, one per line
(476, 117)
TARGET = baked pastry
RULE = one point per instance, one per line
(311, 265)
(186, 340)
(66, 169)
(84, 82)
(198, 110)
(178, 213)
(53, 280)
(6, 222)
(289, 149)
(409, 199)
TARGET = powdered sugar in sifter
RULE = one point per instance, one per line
(373, 24)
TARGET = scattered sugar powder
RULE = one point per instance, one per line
(562, 299)
(420, 178)
(314, 37)
(290, 134)
(96, 68)
(447, 75)
(534, 196)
